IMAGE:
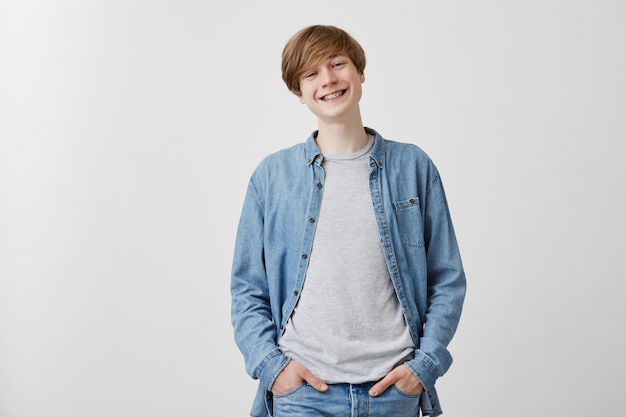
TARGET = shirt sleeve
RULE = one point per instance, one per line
(446, 289)
(254, 329)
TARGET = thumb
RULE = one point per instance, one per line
(314, 381)
(382, 385)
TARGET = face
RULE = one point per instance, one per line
(332, 88)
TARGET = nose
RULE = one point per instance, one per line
(328, 77)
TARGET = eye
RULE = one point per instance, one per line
(338, 64)
(309, 74)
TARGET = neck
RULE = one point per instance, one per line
(341, 138)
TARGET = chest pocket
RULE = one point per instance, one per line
(410, 222)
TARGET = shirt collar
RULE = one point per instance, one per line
(313, 153)
(378, 151)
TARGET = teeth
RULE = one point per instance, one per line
(334, 95)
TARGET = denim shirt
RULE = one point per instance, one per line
(274, 240)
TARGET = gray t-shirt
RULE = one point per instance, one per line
(348, 325)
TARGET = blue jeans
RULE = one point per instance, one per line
(345, 400)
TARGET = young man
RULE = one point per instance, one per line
(347, 283)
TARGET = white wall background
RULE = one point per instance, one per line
(128, 130)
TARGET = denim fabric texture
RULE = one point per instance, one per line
(275, 236)
(345, 400)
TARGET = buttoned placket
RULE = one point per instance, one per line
(315, 165)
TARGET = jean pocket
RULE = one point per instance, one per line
(406, 394)
(297, 401)
(289, 392)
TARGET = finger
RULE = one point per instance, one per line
(382, 385)
(314, 381)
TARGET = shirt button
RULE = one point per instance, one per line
(319, 185)
(312, 220)
(412, 201)
(296, 293)
(282, 327)
(304, 256)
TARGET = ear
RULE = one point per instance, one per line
(301, 98)
(362, 76)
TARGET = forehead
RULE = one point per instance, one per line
(322, 61)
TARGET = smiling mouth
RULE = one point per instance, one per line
(334, 95)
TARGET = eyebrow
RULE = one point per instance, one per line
(338, 54)
(312, 66)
